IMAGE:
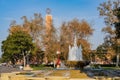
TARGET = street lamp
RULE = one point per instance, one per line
(58, 54)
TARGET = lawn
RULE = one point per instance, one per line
(77, 74)
(111, 68)
(41, 67)
(58, 73)
(69, 73)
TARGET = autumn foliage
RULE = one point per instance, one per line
(50, 42)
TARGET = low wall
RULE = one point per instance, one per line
(6, 76)
(18, 77)
(13, 76)
(35, 78)
(57, 78)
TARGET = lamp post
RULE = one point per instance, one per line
(58, 53)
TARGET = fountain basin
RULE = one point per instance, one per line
(77, 64)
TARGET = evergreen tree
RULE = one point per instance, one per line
(16, 46)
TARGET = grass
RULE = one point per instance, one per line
(106, 67)
(111, 68)
(77, 74)
(73, 73)
(41, 67)
(70, 73)
(58, 73)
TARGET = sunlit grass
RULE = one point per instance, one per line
(72, 73)
(68, 73)
(77, 74)
(58, 73)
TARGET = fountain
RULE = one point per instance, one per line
(75, 52)
(75, 57)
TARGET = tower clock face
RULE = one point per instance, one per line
(48, 11)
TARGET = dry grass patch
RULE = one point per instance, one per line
(72, 73)
(77, 74)
(58, 73)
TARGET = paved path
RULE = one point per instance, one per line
(7, 69)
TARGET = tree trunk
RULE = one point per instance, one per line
(117, 60)
(24, 60)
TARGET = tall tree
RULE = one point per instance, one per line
(16, 46)
(43, 40)
(50, 43)
(110, 10)
(81, 29)
(34, 27)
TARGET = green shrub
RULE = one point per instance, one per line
(75, 64)
(107, 65)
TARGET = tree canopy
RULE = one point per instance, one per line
(47, 43)
(81, 29)
(110, 10)
(15, 45)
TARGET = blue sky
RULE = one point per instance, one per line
(62, 10)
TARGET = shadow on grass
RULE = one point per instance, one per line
(41, 67)
(105, 72)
